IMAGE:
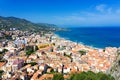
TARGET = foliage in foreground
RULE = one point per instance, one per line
(1, 71)
(58, 77)
(85, 76)
(91, 76)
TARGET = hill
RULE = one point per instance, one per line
(8, 23)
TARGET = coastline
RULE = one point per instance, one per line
(79, 43)
(94, 37)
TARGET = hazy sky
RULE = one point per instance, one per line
(65, 12)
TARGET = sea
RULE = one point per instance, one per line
(98, 37)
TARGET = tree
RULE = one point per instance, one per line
(78, 76)
(29, 52)
(91, 76)
(4, 50)
(82, 52)
(102, 76)
(58, 77)
(1, 71)
(32, 63)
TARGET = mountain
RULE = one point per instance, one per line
(22, 24)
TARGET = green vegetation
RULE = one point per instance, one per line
(54, 44)
(36, 48)
(82, 52)
(22, 24)
(32, 63)
(103, 50)
(8, 37)
(90, 76)
(52, 72)
(29, 52)
(118, 53)
(1, 56)
(3, 60)
(1, 71)
(4, 37)
(58, 77)
(85, 76)
(3, 51)
(67, 56)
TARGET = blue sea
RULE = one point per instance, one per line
(99, 37)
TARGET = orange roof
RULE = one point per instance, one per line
(36, 74)
(74, 51)
(45, 76)
(90, 53)
(73, 70)
(2, 63)
(66, 76)
(54, 53)
(27, 66)
(107, 64)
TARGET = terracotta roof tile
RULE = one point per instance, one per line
(2, 63)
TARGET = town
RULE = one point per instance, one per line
(31, 56)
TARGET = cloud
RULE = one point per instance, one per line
(89, 19)
(101, 7)
(118, 11)
(109, 10)
(105, 16)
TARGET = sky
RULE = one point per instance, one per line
(64, 12)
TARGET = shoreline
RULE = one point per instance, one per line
(79, 43)
(99, 37)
